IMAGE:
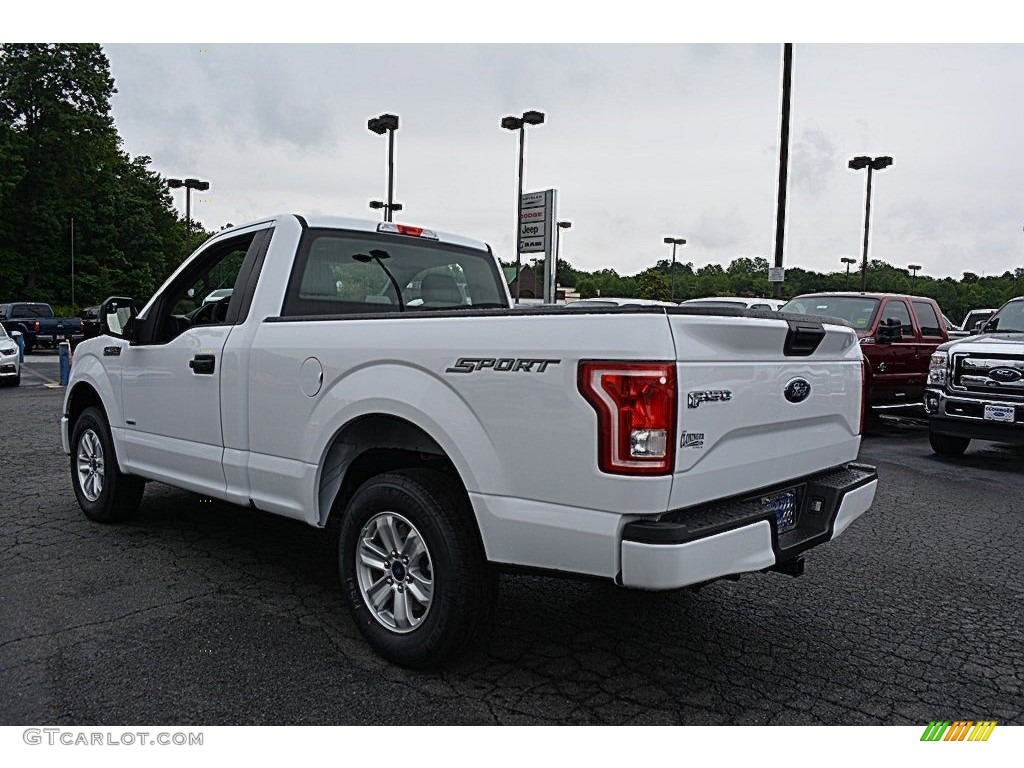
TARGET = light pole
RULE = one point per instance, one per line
(530, 117)
(189, 185)
(380, 125)
(847, 261)
(558, 255)
(872, 164)
(380, 204)
(674, 241)
(913, 274)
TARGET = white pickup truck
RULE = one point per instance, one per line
(376, 374)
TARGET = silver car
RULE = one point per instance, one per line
(10, 367)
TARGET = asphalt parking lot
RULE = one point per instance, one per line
(197, 612)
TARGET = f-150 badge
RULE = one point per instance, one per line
(503, 364)
(694, 399)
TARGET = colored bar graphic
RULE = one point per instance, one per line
(982, 731)
(959, 730)
(935, 730)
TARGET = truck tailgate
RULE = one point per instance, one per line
(754, 414)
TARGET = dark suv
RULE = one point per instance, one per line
(897, 334)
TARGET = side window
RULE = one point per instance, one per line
(927, 319)
(897, 308)
(202, 294)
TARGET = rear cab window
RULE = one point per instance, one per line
(340, 272)
(31, 310)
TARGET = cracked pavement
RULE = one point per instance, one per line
(198, 612)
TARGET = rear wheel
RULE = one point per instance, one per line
(413, 568)
(104, 493)
(948, 445)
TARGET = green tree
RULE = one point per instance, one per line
(61, 161)
(652, 285)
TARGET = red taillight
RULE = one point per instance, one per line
(81, 325)
(36, 326)
(636, 412)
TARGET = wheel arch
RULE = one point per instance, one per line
(370, 445)
(91, 386)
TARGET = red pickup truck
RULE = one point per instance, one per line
(898, 335)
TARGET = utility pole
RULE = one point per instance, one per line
(780, 213)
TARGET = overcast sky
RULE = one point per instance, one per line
(641, 141)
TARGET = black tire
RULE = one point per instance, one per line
(948, 445)
(117, 495)
(16, 381)
(464, 586)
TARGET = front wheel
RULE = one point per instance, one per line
(413, 568)
(948, 445)
(104, 493)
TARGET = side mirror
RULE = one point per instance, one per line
(116, 315)
(990, 326)
(889, 330)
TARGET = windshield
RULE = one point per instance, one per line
(342, 273)
(1009, 319)
(856, 310)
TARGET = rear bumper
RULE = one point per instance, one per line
(740, 535)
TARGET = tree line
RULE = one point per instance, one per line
(62, 166)
(749, 277)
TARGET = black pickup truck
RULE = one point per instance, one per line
(38, 326)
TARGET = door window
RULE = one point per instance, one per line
(203, 293)
(927, 319)
(897, 308)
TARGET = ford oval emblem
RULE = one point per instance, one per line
(797, 390)
(1005, 375)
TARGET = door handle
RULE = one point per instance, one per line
(203, 364)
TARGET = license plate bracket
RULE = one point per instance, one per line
(783, 505)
